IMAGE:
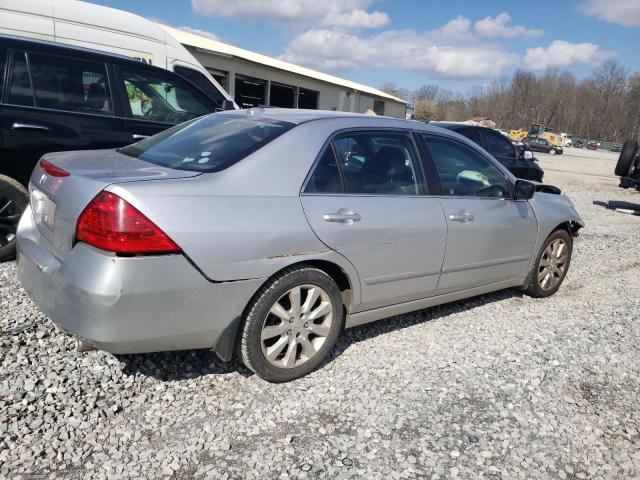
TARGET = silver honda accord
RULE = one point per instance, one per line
(266, 232)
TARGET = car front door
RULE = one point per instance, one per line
(155, 100)
(490, 236)
(55, 103)
(367, 199)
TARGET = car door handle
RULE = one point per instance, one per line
(462, 217)
(342, 216)
(137, 136)
(29, 126)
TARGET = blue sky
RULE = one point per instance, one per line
(454, 44)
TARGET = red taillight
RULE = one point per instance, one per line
(113, 224)
(53, 170)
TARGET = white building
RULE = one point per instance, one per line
(253, 79)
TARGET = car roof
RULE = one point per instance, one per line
(300, 116)
(26, 42)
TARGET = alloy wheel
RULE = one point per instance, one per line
(297, 326)
(9, 216)
(553, 264)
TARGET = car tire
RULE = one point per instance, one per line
(626, 158)
(14, 199)
(278, 351)
(544, 283)
(552, 151)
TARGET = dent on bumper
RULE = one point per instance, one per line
(130, 305)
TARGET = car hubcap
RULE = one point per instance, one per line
(296, 326)
(9, 216)
(553, 264)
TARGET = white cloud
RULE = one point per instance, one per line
(197, 31)
(334, 13)
(499, 27)
(623, 12)
(563, 54)
(401, 49)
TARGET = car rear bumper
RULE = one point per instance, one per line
(130, 304)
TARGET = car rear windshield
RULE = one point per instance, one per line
(208, 144)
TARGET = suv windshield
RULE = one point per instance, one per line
(208, 144)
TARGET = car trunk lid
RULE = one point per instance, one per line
(58, 201)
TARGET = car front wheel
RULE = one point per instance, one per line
(552, 151)
(291, 324)
(551, 266)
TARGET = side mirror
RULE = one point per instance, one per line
(523, 190)
(527, 155)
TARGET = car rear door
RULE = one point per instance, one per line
(53, 103)
(156, 99)
(367, 199)
(490, 237)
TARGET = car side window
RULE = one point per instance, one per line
(69, 84)
(326, 176)
(379, 163)
(163, 98)
(19, 91)
(497, 144)
(464, 171)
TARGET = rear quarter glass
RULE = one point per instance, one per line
(208, 144)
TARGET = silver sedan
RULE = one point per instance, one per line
(267, 232)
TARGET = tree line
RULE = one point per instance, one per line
(603, 106)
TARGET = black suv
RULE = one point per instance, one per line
(501, 148)
(55, 98)
(536, 144)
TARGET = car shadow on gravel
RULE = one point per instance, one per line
(617, 205)
(180, 365)
(191, 364)
(399, 322)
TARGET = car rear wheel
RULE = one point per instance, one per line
(291, 324)
(551, 266)
(626, 158)
(13, 201)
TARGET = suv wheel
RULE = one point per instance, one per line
(13, 201)
(291, 324)
(626, 158)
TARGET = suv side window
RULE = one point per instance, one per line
(326, 176)
(20, 92)
(498, 145)
(472, 134)
(161, 97)
(200, 81)
(69, 84)
(464, 171)
(379, 163)
(3, 61)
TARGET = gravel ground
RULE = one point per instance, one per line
(500, 386)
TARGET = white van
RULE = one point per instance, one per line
(108, 29)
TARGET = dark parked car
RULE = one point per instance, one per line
(501, 148)
(616, 148)
(578, 144)
(592, 146)
(541, 145)
(58, 98)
